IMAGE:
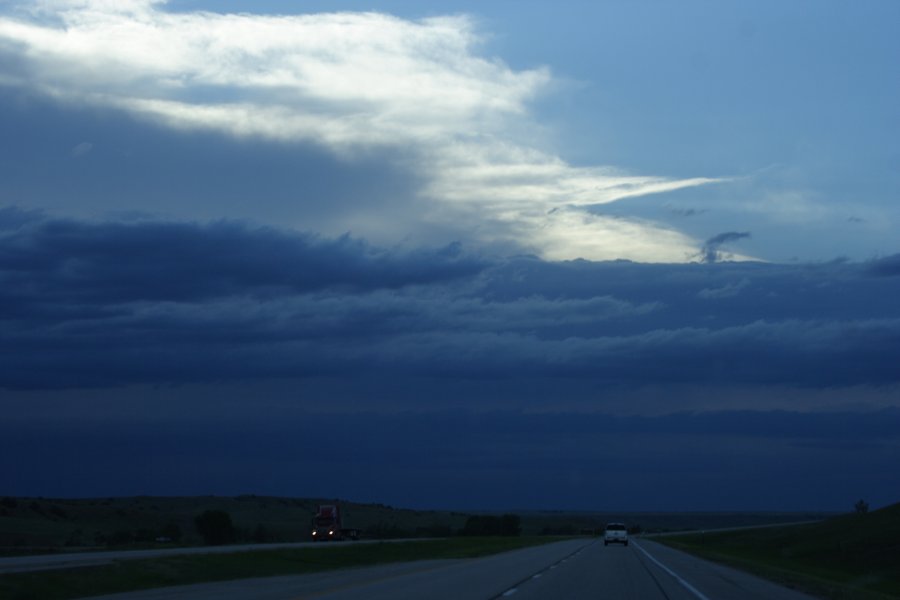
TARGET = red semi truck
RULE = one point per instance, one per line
(327, 524)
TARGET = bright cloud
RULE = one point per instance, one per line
(348, 82)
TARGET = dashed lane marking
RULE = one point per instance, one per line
(537, 575)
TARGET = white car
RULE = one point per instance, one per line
(616, 533)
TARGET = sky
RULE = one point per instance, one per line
(486, 256)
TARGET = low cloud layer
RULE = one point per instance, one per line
(99, 304)
(81, 262)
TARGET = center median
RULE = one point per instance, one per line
(132, 575)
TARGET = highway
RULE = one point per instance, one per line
(572, 569)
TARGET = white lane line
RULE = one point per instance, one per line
(539, 574)
(684, 583)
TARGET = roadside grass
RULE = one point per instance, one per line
(851, 557)
(131, 575)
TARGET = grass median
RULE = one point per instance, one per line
(852, 557)
(131, 575)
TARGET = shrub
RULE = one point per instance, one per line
(507, 525)
(216, 527)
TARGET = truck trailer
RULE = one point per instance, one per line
(328, 525)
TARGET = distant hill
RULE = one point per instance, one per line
(28, 524)
(144, 520)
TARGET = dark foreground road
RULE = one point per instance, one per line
(575, 570)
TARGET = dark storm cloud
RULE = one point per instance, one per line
(710, 251)
(886, 267)
(537, 456)
(99, 304)
(13, 218)
(107, 263)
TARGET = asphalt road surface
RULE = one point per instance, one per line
(574, 569)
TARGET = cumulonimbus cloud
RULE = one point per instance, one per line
(345, 81)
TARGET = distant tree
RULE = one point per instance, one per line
(481, 525)
(559, 530)
(216, 527)
(862, 507)
(476, 525)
